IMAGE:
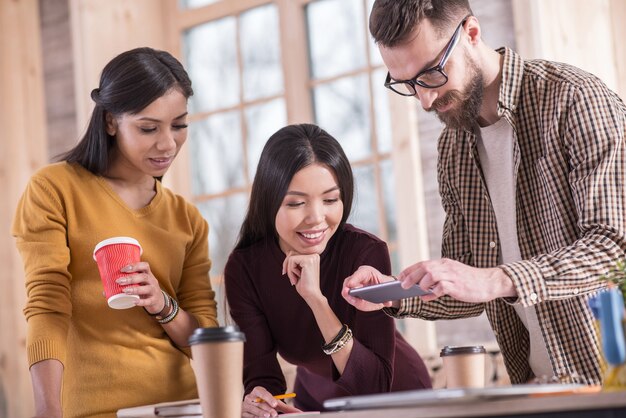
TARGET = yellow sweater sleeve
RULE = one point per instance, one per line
(39, 228)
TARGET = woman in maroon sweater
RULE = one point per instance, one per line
(284, 281)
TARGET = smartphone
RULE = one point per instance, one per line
(383, 292)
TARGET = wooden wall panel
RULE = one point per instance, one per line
(103, 29)
(578, 32)
(22, 150)
(618, 26)
(58, 67)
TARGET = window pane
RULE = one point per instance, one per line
(262, 121)
(429, 129)
(260, 49)
(225, 216)
(375, 58)
(365, 206)
(192, 4)
(342, 109)
(381, 110)
(216, 154)
(389, 197)
(336, 34)
(211, 60)
(396, 268)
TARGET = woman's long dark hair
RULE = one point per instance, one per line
(128, 84)
(288, 151)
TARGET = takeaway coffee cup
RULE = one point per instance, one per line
(218, 364)
(464, 367)
(111, 255)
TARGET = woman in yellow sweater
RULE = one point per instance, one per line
(85, 358)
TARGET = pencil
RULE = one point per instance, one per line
(283, 396)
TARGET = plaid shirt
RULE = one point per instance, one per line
(569, 161)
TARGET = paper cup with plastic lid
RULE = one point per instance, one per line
(111, 255)
(218, 366)
(464, 367)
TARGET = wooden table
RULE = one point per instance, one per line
(598, 405)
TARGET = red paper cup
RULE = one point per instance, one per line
(111, 255)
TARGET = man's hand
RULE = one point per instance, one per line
(458, 280)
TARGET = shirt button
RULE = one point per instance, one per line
(492, 244)
(575, 291)
(533, 297)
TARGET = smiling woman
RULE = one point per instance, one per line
(294, 251)
(311, 211)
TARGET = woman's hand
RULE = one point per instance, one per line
(152, 299)
(149, 291)
(303, 271)
(261, 403)
(365, 276)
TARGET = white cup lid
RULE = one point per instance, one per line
(122, 301)
(117, 240)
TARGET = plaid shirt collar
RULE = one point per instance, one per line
(511, 85)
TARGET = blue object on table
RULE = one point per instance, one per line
(611, 312)
(594, 305)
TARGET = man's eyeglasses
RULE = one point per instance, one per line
(431, 77)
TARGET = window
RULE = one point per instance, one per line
(257, 65)
(349, 102)
(235, 65)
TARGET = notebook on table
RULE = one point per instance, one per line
(189, 408)
(436, 396)
(178, 409)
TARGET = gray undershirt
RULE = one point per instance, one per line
(495, 149)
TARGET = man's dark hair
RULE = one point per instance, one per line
(392, 22)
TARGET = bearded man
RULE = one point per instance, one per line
(531, 176)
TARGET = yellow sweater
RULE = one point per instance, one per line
(112, 358)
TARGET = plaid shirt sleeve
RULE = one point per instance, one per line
(594, 143)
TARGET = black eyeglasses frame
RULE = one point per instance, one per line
(408, 86)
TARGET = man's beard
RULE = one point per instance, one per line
(465, 114)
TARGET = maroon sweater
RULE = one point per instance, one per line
(275, 318)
